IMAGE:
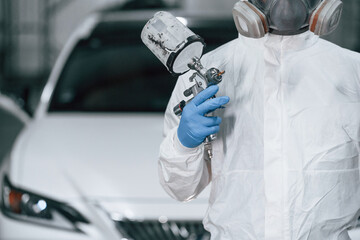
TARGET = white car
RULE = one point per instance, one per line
(86, 166)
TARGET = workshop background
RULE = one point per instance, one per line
(94, 166)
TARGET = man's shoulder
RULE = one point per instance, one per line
(340, 52)
(221, 53)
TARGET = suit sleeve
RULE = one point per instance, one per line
(183, 172)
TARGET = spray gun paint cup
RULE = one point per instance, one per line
(174, 44)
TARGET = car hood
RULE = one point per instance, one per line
(91, 156)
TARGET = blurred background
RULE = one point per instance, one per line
(85, 163)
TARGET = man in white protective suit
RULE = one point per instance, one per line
(285, 162)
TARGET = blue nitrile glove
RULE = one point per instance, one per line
(194, 127)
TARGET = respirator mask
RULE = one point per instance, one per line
(255, 18)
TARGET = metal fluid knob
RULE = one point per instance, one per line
(214, 76)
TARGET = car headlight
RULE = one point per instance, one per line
(26, 206)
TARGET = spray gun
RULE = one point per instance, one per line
(180, 50)
(201, 77)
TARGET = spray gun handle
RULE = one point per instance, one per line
(211, 137)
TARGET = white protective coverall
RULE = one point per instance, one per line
(286, 161)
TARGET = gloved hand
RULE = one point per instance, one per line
(194, 127)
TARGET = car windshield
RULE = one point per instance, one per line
(112, 75)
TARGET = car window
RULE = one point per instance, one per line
(107, 75)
